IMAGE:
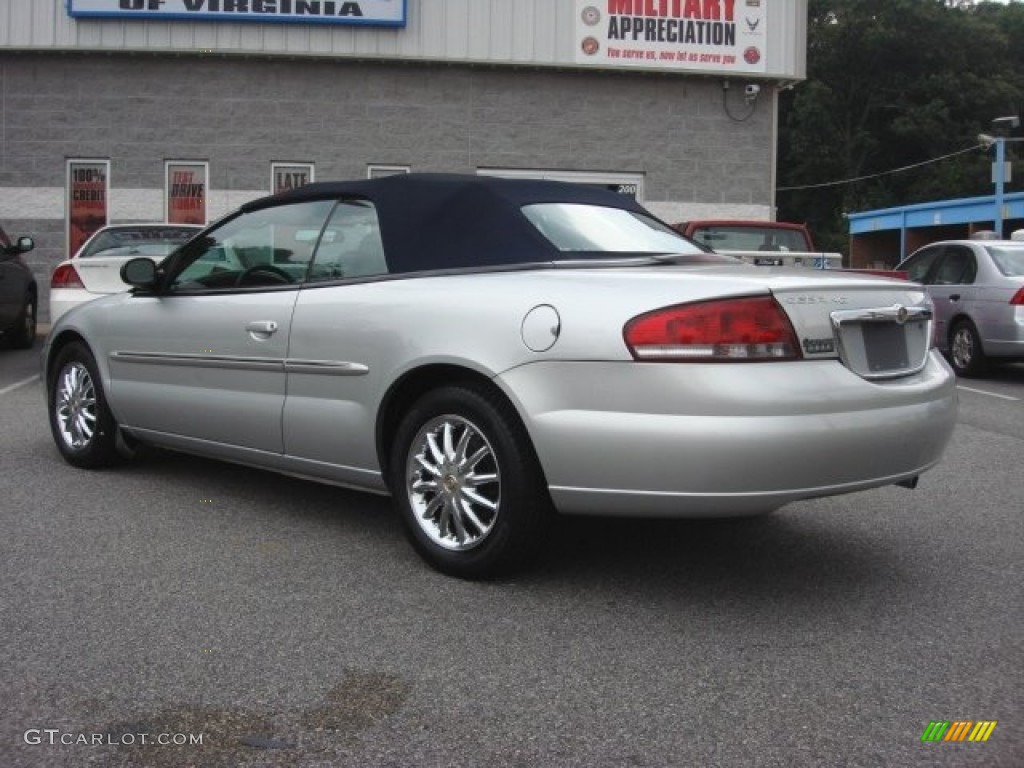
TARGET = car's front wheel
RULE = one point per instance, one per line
(82, 424)
(467, 483)
(965, 352)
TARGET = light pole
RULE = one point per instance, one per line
(999, 167)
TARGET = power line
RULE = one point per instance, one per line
(883, 173)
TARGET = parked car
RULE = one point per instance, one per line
(18, 293)
(487, 350)
(95, 269)
(978, 290)
(764, 243)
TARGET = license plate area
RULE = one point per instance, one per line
(885, 345)
(883, 342)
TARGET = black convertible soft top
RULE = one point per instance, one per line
(447, 221)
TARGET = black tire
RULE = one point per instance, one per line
(478, 543)
(966, 355)
(81, 422)
(22, 334)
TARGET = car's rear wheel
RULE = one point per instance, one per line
(82, 424)
(965, 352)
(23, 333)
(467, 483)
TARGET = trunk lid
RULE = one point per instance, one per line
(878, 327)
(878, 331)
(101, 274)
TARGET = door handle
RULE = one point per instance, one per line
(261, 329)
(954, 297)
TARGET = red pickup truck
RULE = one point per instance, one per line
(767, 243)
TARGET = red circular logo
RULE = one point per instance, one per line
(752, 55)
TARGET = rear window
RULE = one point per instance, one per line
(129, 237)
(580, 228)
(1008, 259)
(153, 250)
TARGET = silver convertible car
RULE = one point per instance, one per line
(490, 351)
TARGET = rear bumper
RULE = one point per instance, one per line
(63, 299)
(1003, 332)
(718, 440)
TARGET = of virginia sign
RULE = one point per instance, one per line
(371, 12)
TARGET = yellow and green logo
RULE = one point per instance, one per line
(958, 730)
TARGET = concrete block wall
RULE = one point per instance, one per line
(241, 114)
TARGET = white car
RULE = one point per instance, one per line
(96, 269)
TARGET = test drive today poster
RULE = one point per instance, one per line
(186, 193)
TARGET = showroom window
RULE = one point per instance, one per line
(374, 171)
(629, 184)
(285, 176)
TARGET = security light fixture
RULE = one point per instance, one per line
(1007, 123)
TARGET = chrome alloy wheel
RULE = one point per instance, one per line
(962, 348)
(76, 408)
(453, 482)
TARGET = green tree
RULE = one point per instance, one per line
(892, 83)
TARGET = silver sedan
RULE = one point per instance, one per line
(978, 290)
(490, 351)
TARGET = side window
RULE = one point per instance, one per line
(256, 249)
(351, 244)
(958, 267)
(920, 265)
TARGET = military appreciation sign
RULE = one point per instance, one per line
(721, 36)
(376, 12)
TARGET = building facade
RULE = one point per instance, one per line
(161, 110)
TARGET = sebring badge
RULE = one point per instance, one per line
(810, 300)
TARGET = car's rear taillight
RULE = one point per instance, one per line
(1018, 298)
(726, 331)
(65, 276)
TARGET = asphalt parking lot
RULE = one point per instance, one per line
(289, 624)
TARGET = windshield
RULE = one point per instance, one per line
(1009, 259)
(750, 238)
(127, 237)
(575, 227)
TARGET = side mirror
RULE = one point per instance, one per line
(25, 244)
(139, 273)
